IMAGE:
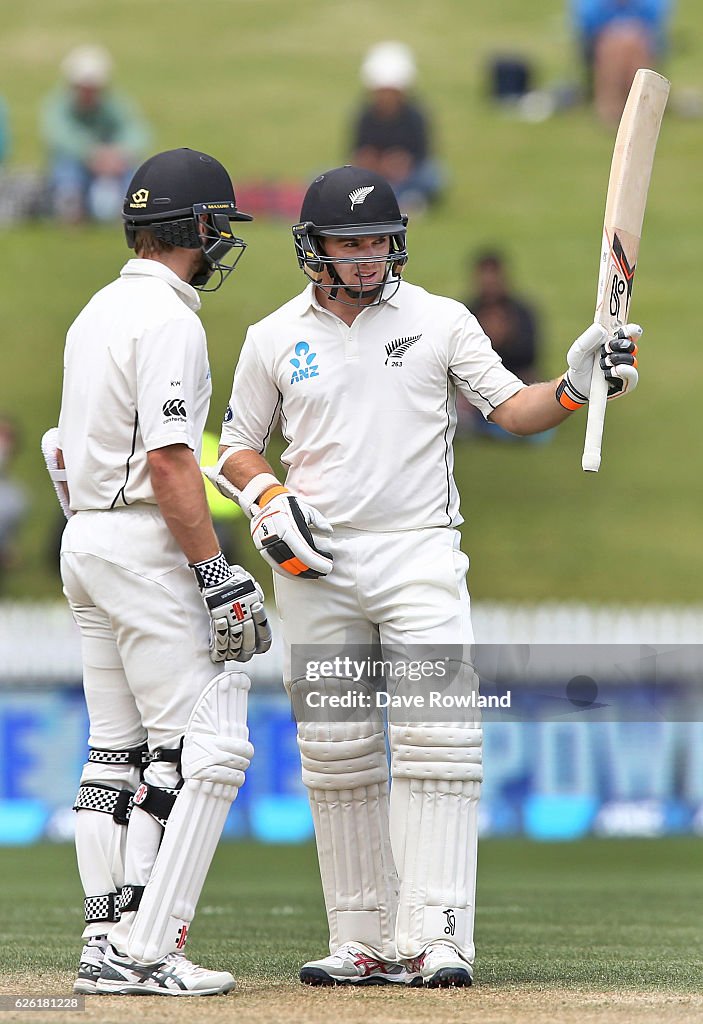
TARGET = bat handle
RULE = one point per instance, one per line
(597, 399)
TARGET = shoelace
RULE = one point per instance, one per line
(184, 963)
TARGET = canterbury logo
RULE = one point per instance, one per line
(400, 346)
(175, 409)
(358, 196)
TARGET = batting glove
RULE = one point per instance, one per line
(281, 532)
(239, 628)
(617, 358)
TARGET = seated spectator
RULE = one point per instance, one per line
(512, 325)
(617, 37)
(508, 320)
(13, 501)
(392, 134)
(94, 137)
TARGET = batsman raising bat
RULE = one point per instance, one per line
(362, 369)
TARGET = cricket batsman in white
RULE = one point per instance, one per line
(159, 608)
(361, 370)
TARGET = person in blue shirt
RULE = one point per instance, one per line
(617, 37)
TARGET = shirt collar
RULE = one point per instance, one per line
(152, 268)
(307, 300)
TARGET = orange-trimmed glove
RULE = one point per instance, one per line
(281, 532)
(617, 358)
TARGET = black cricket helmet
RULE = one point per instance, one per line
(186, 198)
(349, 202)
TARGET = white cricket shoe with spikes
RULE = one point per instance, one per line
(175, 975)
(90, 965)
(356, 964)
(440, 965)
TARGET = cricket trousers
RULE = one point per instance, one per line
(398, 870)
(144, 641)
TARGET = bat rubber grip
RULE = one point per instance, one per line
(597, 399)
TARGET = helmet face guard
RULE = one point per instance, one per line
(350, 202)
(186, 199)
(313, 260)
(221, 248)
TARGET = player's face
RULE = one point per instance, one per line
(364, 274)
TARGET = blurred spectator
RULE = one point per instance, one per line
(512, 325)
(94, 137)
(617, 37)
(508, 320)
(13, 502)
(392, 134)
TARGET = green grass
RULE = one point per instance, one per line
(269, 86)
(594, 915)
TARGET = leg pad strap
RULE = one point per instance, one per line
(95, 797)
(102, 908)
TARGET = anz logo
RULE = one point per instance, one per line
(303, 363)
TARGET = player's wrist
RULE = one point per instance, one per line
(270, 493)
(258, 486)
(568, 396)
(211, 572)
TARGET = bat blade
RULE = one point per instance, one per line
(630, 173)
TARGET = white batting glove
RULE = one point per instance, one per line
(281, 531)
(239, 628)
(617, 357)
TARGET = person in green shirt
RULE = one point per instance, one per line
(94, 137)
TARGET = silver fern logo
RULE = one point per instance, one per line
(395, 350)
(359, 195)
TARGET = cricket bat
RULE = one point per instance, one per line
(630, 171)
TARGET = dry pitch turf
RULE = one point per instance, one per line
(258, 1003)
(593, 931)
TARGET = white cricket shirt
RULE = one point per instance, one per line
(368, 410)
(136, 378)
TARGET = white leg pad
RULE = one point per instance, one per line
(436, 772)
(346, 771)
(216, 754)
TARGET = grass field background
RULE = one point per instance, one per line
(269, 87)
(601, 928)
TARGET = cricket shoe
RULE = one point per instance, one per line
(175, 975)
(356, 964)
(90, 965)
(441, 965)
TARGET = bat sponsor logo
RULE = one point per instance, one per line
(621, 287)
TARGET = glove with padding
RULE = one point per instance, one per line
(281, 531)
(239, 628)
(617, 358)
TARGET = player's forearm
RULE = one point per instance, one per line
(180, 493)
(243, 466)
(531, 410)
